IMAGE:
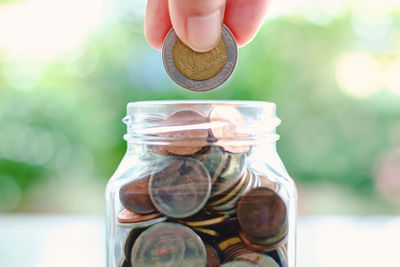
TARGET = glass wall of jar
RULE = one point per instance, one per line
(201, 184)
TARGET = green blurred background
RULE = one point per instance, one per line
(68, 68)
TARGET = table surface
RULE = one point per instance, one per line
(323, 241)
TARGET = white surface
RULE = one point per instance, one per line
(78, 241)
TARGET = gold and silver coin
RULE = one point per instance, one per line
(197, 71)
(168, 245)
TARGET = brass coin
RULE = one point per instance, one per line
(234, 171)
(213, 259)
(189, 131)
(258, 258)
(135, 195)
(181, 188)
(261, 212)
(199, 66)
(168, 244)
(206, 222)
(127, 216)
(196, 71)
(232, 195)
(226, 121)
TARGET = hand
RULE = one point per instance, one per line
(198, 22)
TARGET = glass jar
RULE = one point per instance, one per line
(201, 184)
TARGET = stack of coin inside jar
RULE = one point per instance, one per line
(197, 202)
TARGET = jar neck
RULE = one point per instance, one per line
(230, 123)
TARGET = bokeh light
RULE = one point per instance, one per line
(358, 74)
(44, 28)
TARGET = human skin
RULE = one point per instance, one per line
(198, 22)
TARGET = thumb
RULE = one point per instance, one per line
(197, 22)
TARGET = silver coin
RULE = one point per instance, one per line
(238, 264)
(168, 245)
(200, 85)
(258, 258)
(181, 188)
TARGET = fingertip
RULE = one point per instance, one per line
(157, 23)
(244, 18)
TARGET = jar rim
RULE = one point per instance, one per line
(146, 119)
(254, 103)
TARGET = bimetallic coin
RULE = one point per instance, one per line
(196, 71)
(188, 129)
(168, 244)
(261, 212)
(258, 258)
(213, 259)
(181, 188)
(127, 216)
(226, 121)
(135, 195)
(239, 264)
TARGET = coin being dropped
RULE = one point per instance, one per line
(200, 71)
(168, 244)
(261, 212)
(181, 187)
(186, 126)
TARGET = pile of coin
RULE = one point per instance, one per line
(198, 202)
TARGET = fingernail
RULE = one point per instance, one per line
(204, 32)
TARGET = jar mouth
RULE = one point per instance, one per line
(217, 120)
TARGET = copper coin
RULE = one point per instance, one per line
(135, 195)
(188, 130)
(200, 71)
(213, 259)
(127, 216)
(265, 244)
(181, 187)
(226, 121)
(168, 244)
(261, 212)
(258, 258)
